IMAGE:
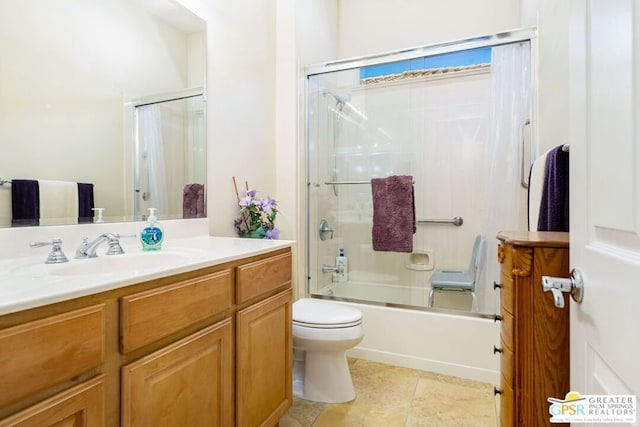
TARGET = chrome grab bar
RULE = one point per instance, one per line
(457, 221)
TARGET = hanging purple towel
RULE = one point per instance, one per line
(85, 203)
(193, 201)
(554, 206)
(25, 202)
(394, 217)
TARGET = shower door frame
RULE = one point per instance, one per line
(508, 37)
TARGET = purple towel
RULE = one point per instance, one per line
(85, 203)
(394, 217)
(25, 202)
(554, 206)
(193, 201)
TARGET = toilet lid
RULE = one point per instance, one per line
(318, 313)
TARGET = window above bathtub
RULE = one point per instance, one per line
(435, 65)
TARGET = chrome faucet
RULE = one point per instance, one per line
(330, 269)
(88, 250)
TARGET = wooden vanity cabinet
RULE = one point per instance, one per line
(165, 352)
(534, 333)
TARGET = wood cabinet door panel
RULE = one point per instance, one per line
(80, 406)
(264, 357)
(188, 383)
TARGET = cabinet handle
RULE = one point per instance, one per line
(497, 318)
(496, 350)
(496, 390)
(497, 285)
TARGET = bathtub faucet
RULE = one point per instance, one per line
(329, 269)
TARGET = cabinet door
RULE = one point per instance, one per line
(80, 406)
(188, 383)
(263, 356)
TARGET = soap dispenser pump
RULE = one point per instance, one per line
(99, 219)
(151, 236)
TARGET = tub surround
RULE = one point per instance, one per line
(153, 341)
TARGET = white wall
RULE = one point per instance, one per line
(374, 26)
(553, 73)
(241, 60)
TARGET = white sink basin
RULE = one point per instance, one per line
(117, 264)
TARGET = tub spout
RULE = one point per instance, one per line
(329, 269)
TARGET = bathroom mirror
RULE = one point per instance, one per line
(73, 75)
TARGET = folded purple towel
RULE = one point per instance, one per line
(394, 214)
(193, 201)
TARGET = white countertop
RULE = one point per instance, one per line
(27, 282)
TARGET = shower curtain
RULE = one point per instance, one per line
(152, 153)
(510, 110)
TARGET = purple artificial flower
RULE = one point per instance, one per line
(268, 204)
(272, 234)
(245, 201)
(251, 193)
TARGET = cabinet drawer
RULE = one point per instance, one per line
(506, 364)
(261, 277)
(39, 354)
(147, 316)
(507, 293)
(506, 329)
(82, 405)
(507, 405)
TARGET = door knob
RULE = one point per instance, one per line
(557, 285)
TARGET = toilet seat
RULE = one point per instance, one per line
(318, 314)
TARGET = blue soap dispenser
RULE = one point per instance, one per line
(152, 235)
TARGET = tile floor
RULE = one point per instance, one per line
(390, 396)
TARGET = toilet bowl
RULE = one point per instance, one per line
(322, 333)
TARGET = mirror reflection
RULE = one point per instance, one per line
(106, 96)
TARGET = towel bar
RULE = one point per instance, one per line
(457, 221)
(348, 182)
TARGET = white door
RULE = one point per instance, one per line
(605, 195)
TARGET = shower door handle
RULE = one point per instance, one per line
(523, 182)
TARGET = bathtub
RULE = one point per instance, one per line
(456, 344)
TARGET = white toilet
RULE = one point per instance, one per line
(322, 333)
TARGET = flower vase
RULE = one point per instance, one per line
(252, 235)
